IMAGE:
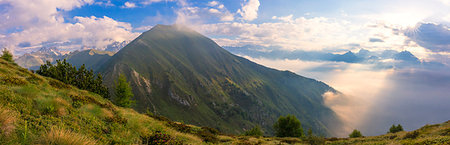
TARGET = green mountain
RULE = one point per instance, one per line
(90, 58)
(179, 73)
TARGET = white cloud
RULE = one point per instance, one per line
(41, 21)
(249, 11)
(192, 15)
(214, 11)
(129, 5)
(143, 28)
(213, 3)
(147, 2)
(285, 18)
(446, 2)
(316, 33)
(106, 3)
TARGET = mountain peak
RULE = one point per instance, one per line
(175, 28)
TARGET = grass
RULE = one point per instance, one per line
(59, 136)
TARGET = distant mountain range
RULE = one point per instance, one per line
(384, 59)
(34, 59)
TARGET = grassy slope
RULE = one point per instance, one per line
(438, 134)
(428, 134)
(40, 110)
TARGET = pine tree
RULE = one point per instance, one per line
(7, 55)
(123, 92)
(395, 129)
(81, 78)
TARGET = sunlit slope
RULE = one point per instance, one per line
(179, 73)
(40, 110)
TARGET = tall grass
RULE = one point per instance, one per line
(7, 119)
(59, 136)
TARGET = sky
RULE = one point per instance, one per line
(401, 76)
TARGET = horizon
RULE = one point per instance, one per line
(389, 59)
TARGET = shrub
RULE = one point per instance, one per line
(355, 134)
(395, 129)
(12, 80)
(60, 136)
(288, 126)
(181, 127)
(160, 138)
(207, 136)
(412, 135)
(316, 140)
(255, 131)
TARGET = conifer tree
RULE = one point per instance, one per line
(123, 92)
(6, 55)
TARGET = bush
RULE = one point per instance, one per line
(395, 129)
(181, 127)
(255, 131)
(412, 135)
(160, 138)
(12, 80)
(288, 126)
(208, 135)
(315, 140)
(355, 134)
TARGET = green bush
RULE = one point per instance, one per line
(160, 138)
(255, 131)
(412, 135)
(315, 140)
(288, 126)
(181, 127)
(395, 129)
(12, 80)
(208, 135)
(355, 133)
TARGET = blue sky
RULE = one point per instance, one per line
(388, 29)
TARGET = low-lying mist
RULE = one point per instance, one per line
(371, 100)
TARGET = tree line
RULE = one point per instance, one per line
(82, 78)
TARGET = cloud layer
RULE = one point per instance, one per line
(32, 24)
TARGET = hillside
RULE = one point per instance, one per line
(40, 110)
(179, 73)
